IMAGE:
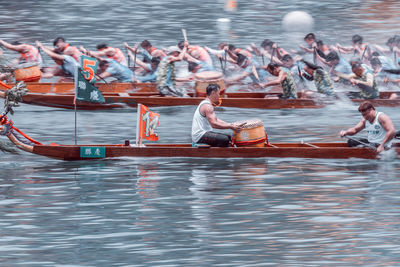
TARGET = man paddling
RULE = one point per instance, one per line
(378, 125)
(104, 50)
(27, 53)
(204, 120)
(166, 80)
(320, 77)
(66, 64)
(65, 48)
(284, 79)
(364, 80)
(111, 68)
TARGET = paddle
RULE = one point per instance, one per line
(397, 134)
(254, 70)
(315, 56)
(184, 35)
(272, 54)
(299, 72)
(101, 78)
(41, 54)
(129, 57)
(365, 49)
(392, 71)
(222, 66)
(134, 63)
(224, 62)
(361, 142)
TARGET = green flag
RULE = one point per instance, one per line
(85, 91)
(89, 68)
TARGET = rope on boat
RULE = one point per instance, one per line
(14, 96)
(5, 69)
(8, 128)
(26, 136)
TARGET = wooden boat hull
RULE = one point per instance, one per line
(281, 150)
(69, 88)
(118, 101)
(121, 95)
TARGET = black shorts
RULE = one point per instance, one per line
(354, 142)
(216, 139)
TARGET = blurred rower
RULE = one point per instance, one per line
(166, 77)
(285, 80)
(365, 80)
(27, 53)
(320, 77)
(197, 52)
(61, 46)
(103, 50)
(66, 64)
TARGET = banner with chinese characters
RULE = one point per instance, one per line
(92, 152)
(85, 91)
(147, 124)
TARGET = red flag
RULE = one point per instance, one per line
(147, 124)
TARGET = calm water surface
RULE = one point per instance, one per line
(195, 212)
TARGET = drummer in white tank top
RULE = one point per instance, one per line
(204, 120)
(379, 126)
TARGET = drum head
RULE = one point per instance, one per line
(249, 124)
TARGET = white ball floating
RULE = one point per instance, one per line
(297, 21)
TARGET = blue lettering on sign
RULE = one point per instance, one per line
(93, 152)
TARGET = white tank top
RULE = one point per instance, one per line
(200, 124)
(376, 133)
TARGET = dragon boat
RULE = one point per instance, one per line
(337, 150)
(97, 151)
(122, 95)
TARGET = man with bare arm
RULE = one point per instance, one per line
(378, 125)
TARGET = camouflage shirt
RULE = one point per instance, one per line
(323, 82)
(368, 92)
(289, 86)
(166, 73)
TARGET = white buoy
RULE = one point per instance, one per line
(299, 21)
(224, 24)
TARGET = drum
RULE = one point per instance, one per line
(203, 79)
(28, 72)
(252, 134)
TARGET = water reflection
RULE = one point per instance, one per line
(195, 210)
